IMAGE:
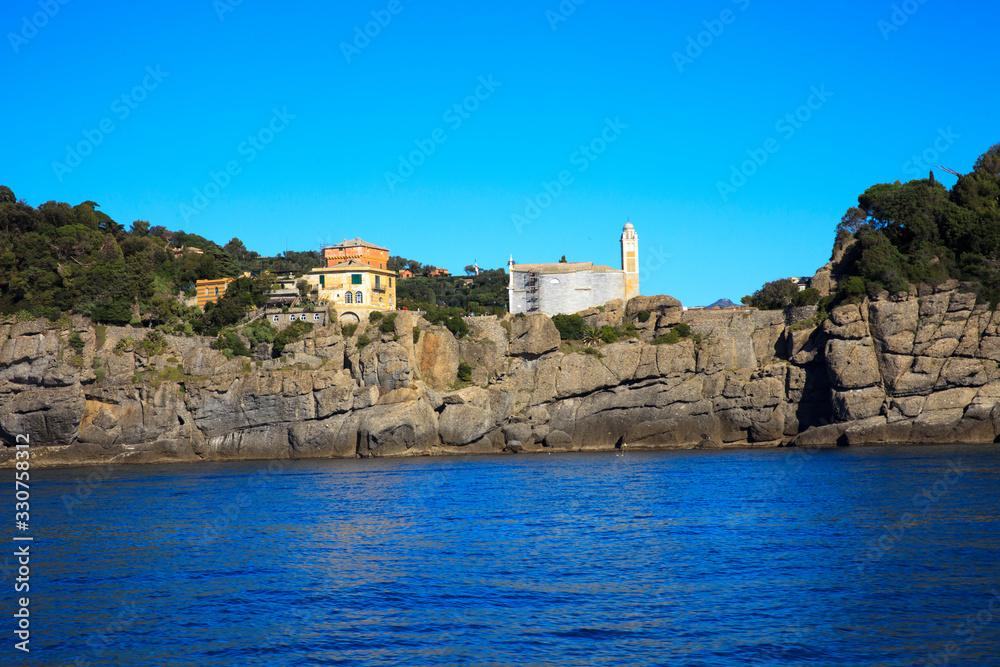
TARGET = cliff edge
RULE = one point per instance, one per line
(916, 368)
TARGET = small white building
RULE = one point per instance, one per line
(568, 287)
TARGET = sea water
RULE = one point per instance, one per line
(871, 556)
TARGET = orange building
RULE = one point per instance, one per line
(438, 272)
(209, 291)
(357, 250)
(405, 273)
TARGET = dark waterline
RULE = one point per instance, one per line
(776, 557)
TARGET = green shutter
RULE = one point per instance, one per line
(322, 281)
(355, 278)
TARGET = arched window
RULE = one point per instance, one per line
(358, 298)
(347, 298)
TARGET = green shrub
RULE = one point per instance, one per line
(644, 315)
(571, 327)
(229, 340)
(609, 334)
(375, 316)
(683, 330)
(807, 297)
(363, 340)
(668, 338)
(464, 372)
(416, 334)
(293, 332)
(593, 351)
(76, 342)
(457, 326)
(349, 329)
(853, 289)
(388, 324)
(154, 344)
(774, 295)
(259, 332)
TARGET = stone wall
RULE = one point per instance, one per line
(571, 292)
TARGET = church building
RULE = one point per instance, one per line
(567, 287)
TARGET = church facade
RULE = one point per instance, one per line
(567, 287)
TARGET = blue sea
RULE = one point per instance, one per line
(870, 556)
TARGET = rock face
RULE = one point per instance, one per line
(533, 336)
(899, 369)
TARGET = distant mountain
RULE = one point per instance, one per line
(721, 303)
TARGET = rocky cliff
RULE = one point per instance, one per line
(919, 367)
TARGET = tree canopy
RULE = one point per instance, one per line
(916, 232)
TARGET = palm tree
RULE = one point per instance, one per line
(591, 336)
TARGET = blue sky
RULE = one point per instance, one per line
(276, 123)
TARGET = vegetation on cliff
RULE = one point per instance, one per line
(917, 232)
(59, 258)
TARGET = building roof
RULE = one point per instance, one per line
(564, 267)
(355, 242)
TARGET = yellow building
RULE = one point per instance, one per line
(209, 291)
(354, 288)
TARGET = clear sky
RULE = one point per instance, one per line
(643, 109)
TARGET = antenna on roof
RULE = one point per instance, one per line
(950, 171)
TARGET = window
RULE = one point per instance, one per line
(348, 298)
(322, 281)
(377, 285)
(216, 291)
(316, 316)
(355, 278)
(358, 298)
(275, 318)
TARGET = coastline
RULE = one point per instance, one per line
(918, 368)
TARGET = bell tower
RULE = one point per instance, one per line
(630, 260)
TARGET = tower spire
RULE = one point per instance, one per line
(630, 260)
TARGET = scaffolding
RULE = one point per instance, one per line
(531, 287)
